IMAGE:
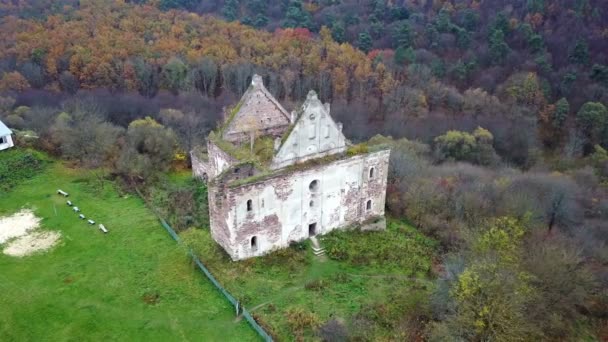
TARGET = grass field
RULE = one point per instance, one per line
(376, 284)
(132, 284)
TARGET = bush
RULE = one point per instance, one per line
(300, 319)
(382, 248)
(17, 165)
(315, 285)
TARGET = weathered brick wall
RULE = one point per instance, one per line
(259, 111)
(220, 218)
(283, 207)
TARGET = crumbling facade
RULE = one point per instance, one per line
(276, 177)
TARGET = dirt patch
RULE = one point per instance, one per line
(32, 243)
(20, 232)
(151, 298)
(17, 225)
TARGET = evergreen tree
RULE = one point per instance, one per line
(365, 41)
(403, 35)
(230, 10)
(337, 31)
(498, 47)
(580, 53)
(297, 16)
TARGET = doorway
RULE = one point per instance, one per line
(312, 229)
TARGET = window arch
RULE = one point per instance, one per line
(372, 172)
(368, 206)
(249, 205)
(314, 185)
(311, 204)
(254, 243)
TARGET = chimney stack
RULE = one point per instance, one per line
(292, 118)
(257, 81)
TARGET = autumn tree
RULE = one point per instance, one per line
(492, 293)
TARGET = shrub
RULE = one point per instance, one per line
(382, 248)
(300, 319)
(315, 285)
(17, 165)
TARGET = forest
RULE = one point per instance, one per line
(495, 112)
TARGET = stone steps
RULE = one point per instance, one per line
(317, 250)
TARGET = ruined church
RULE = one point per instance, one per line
(276, 177)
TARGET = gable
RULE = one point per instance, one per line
(315, 134)
(257, 111)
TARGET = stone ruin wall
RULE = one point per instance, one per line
(217, 162)
(283, 206)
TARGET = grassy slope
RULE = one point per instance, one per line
(271, 286)
(92, 286)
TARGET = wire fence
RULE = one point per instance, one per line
(237, 305)
(238, 308)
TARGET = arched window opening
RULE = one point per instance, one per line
(249, 205)
(311, 204)
(371, 173)
(314, 185)
(254, 243)
(369, 205)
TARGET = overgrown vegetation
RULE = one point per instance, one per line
(362, 296)
(18, 165)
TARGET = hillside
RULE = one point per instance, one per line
(494, 111)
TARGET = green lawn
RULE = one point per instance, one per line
(376, 283)
(133, 284)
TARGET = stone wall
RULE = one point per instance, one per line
(290, 207)
(314, 135)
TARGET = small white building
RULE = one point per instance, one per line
(6, 141)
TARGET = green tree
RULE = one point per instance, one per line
(365, 41)
(442, 22)
(599, 73)
(338, 31)
(230, 10)
(149, 149)
(580, 53)
(403, 35)
(536, 6)
(470, 19)
(462, 146)
(147, 77)
(491, 295)
(498, 46)
(174, 75)
(463, 37)
(591, 120)
(205, 76)
(560, 115)
(170, 4)
(297, 16)
(404, 55)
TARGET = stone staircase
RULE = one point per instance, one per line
(316, 247)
